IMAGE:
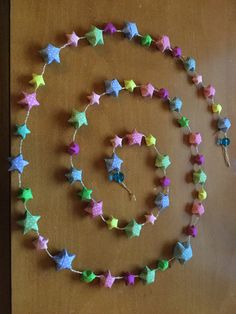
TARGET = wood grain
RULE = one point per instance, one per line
(205, 30)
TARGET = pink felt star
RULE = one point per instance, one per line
(147, 90)
(94, 208)
(94, 99)
(197, 79)
(150, 218)
(41, 243)
(29, 100)
(209, 91)
(107, 280)
(134, 138)
(116, 141)
(72, 39)
(163, 43)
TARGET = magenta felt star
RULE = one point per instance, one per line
(107, 280)
(150, 218)
(72, 39)
(29, 100)
(94, 208)
(134, 138)
(116, 141)
(41, 243)
(147, 90)
(94, 99)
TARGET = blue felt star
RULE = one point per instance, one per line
(113, 163)
(17, 163)
(50, 54)
(63, 260)
(74, 175)
(22, 130)
(183, 251)
(113, 87)
(130, 30)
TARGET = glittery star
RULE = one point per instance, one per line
(41, 243)
(162, 201)
(112, 222)
(50, 54)
(37, 80)
(113, 163)
(116, 141)
(74, 175)
(29, 222)
(134, 138)
(85, 194)
(64, 260)
(162, 161)
(95, 36)
(133, 229)
(94, 208)
(72, 39)
(199, 177)
(29, 100)
(22, 130)
(78, 119)
(94, 99)
(17, 163)
(150, 218)
(130, 85)
(148, 275)
(147, 90)
(107, 280)
(183, 251)
(113, 87)
(130, 30)
(25, 194)
(150, 140)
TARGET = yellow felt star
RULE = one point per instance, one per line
(150, 140)
(37, 80)
(129, 85)
(112, 223)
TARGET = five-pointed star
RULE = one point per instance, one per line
(113, 163)
(130, 30)
(95, 36)
(94, 99)
(133, 229)
(29, 100)
(74, 175)
(17, 163)
(113, 87)
(78, 119)
(25, 194)
(112, 222)
(147, 90)
(116, 141)
(22, 130)
(148, 275)
(37, 80)
(146, 40)
(72, 39)
(107, 280)
(162, 201)
(183, 251)
(94, 208)
(134, 138)
(85, 194)
(183, 122)
(199, 176)
(29, 222)
(41, 243)
(63, 260)
(50, 54)
(130, 85)
(162, 161)
(150, 140)
(150, 218)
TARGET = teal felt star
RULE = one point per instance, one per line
(85, 194)
(95, 36)
(29, 222)
(78, 119)
(22, 130)
(133, 229)
(148, 275)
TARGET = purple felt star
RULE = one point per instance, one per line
(107, 280)
(94, 99)
(134, 138)
(72, 39)
(129, 279)
(150, 218)
(109, 28)
(147, 90)
(116, 141)
(29, 100)
(94, 208)
(41, 243)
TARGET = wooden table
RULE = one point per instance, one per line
(204, 29)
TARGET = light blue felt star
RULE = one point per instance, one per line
(130, 30)
(113, 87)
(63, 260)
(50, 54)
(74, 175)
(78, 119)
(113, 163)
(17, 163)
(162, 201)
(183, 251)
(22, 130)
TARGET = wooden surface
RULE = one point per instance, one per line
(204, 29)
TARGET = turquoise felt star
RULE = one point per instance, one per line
(95, 36)
(78, 119)
(74, 175)
(148, 275)
(17, 163)
(113, 163)
(133, 229)
(85, 194)
(130, 30)
(183, 251)
(64, 260)
(29, 222)
(22, 130)
(50, 54)
(113, 87)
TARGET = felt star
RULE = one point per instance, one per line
(29, 222)
(175, 104)
(150, 140)
(74, 175)
(29, 100)
(94, 208)
(199, 177)
(72, 39)
(216, 108)
(87, 276)
(78, 119)
(107, 280)
(37, 80)
(112, 223)
(133, 229)
(183, 122)
(148, 275)
(85, 194)
(94, 99)
(130, 85)
(190, 64)
(163, 43)
(17, 163)
(113, 163)
(147, 90)
(116, 141)
(150, 218)
(25, 194)
(41, 243)
(163, 265)
(202, 194)
(63, 260)
(134, 138)
(113, 87)
(162, 201)
(183, 251)
(129, 279)
(95, 36)
(130, 30)
(73, 149)
(110, 29)
(22, 130)
(162, 161)
(146, 40)
(50, 54)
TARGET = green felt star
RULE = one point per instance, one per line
(163, 265)
(112, 223)
(183, 122)
(133, 229)
(29, 223)
(162, 161)
(22, 130)
(25, 194)
(150, 140)
(85, 194)
(37, 80)
(146, 40)
(78, 119)
(95, 36)
(148, 275)
(130, 85)
(199, 176)
(87, 276)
